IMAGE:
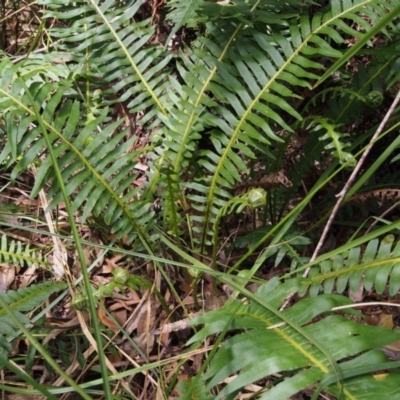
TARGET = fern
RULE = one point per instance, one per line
(375, 268)
(183, 14)
(288, 247)
(255, 80)
(264, 346)
(336, 145)
(236, 84)
(100, 165)
(88, 157)
(26, 299)
(237, 87)
(14, 253)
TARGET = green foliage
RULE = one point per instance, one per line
(231, 98)
(266, 346)
(183, 13)
(290, 245)
(194, 388)
(376, 267)
(26, 299)
(16, 253)
(122, 280)
(336, 146)
(254, 198)
(237, 84)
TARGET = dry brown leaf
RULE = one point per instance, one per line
(3, 286)
(60, 256)
(104, 319)
(358, 295)
(386, 321)
(7, 273)
(146, 325)
(394, 346)
(146, 321)
(372, 319)
(159, 393)
(186, 288)
(27, 277)
(120, 316)
(197, 361)
(111, 263)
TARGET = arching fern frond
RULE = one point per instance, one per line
(93, 155)
(112, 37)
(239, 83)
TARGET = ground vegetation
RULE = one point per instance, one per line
(199, 199)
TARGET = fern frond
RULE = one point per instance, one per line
(289, 246)
(106, 36)
(380, 16)
(377, 267)
(26, 299)
(96, 161)
(266, 347)
(182, 14)
(93, 156)
(16, 253)
(335, 145)
(239, 87)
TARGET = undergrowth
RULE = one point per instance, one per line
(160, 160)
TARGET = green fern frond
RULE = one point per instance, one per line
(26, 299)
(289, 246)
(263, 346)
(335, 138)
(106, 36)
(94, 155)
(375, 267)
(16, 253)
(182, 14)
(238, 83)
(94, 158)
(374, 17)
